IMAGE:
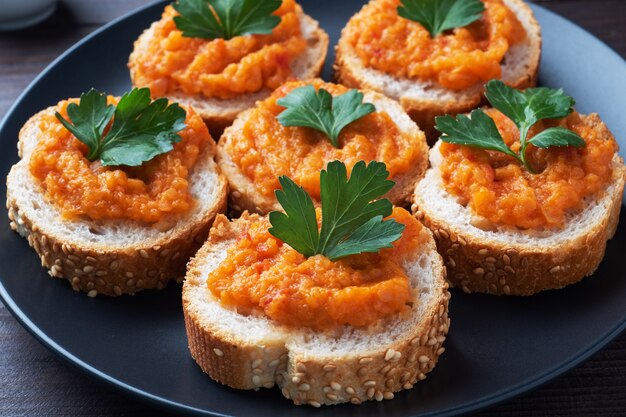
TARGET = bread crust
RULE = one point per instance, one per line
(303, 377)
(220, 113)
(479, 264)
(245, 197)
(423, 109)
(103, 268)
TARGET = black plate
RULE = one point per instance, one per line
(497, 348)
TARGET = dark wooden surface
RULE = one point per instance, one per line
(34, 382)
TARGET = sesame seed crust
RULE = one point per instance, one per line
(100, 268)
(477, 264)
(302, 375)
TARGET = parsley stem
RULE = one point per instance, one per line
(523, 135)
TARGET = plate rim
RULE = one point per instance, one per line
(177, 407)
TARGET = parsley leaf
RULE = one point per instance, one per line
(524, 108)
(141, 128)
(437, 16)
(225, 19)
(478, 131)
(351, 222)
(323, 112)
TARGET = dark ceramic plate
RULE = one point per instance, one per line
(497, 348)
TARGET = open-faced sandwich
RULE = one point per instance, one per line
(435, 56)
(115, 194)
(221, 57)
(303, 126)
(522, 197)
(345, 303)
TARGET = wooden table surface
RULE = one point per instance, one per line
(34, 382)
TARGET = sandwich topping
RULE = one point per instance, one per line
(265, 148)
(334, 266)
(217, 60)
(386, 36)
(554, 176)
(109, 158)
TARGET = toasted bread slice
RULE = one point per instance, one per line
(503, 260)
(423, 100)
(245, 196)
(219, 113)
(350, 365)
(111, 257)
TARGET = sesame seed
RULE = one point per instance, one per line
(129, 274)
(100, 282)
(388, 395)
(117, 290)
(88, 268)
(164, 253)
(329, 367)
(75, 280)
(452, 262)
(507, 290)
(295, 380)
(355, 401)
(304, 387)
(335, 385)
(444, 234)
(555, 269)
(423, 359)
(408, 385)
(327, 389)
(218, 352)
(361, 371)
(285, 393)
(370, 383)
(370, 392)
(143, 253)
(92, 293)
(268, 384)
(509, 269)
(441, 350)
(332, 397)
(312, 402)
(350, 391)
(478, 271)
(493, 289)
(256, 363)
(236, 194)
(389, 355)
(257, 371)
(389, 383)
(483, 252)
(256, 380)
(130, 282)
(421, 376)
(379, 396)
(101, 273)
(301, 367)
(365, 360)
(91, 259)
(273, 363)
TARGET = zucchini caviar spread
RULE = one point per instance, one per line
(261, 274)
(145, 193)
(499, 189)
(457, 59)
(265, 149)
(220, 68)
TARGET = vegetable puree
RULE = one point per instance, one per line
(497, 188)
(147, 193)
(262, 274)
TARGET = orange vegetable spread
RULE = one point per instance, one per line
(265, 149)
(146, 193)
(456, 59)
(262, 274)
(499, 189)
(217, 67)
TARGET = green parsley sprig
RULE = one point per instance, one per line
(141, 128)
(352, 222)
(524, 108)
(323, 112)
(437, 16)
(225, 19)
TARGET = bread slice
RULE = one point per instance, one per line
(423, 100)
(510, 261)
(245, 196)
(353, 365)
(111, 257)
(220, 113)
